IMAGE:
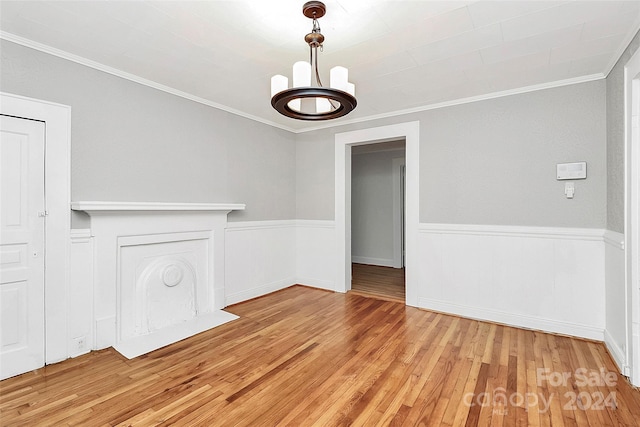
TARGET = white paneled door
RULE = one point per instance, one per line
(22, 227)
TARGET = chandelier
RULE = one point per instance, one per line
(307, 99)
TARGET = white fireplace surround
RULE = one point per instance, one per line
(159, 271)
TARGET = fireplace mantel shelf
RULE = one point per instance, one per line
(89, 206)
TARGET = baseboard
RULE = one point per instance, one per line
(259, 291)
(512, 319)
(382, 262)
(316, 283)
(616, 352)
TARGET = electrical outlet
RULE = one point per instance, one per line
(80, 343)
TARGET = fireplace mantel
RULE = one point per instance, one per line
(100, 207)
(159, 271)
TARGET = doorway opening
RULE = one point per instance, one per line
(377, 219)
(344, 142)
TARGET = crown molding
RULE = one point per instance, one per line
(621, 50)
(460, 101)
(137, 79)
(132, 77)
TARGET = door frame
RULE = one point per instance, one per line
(410, 132)
(632, 212)
(398, 209)
(57, 119)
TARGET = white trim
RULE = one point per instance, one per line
(623, 46)
(153, 206)
(329, 124)
(382, 262)
(616, 352)
(315, 283)
(410, 131)
(632, 211)
(315, 223)
(259, 225)
(515, 231)
(81, 318)
(469, 100)
(283, 223)
(518, 320)
(132, 77)
(614, 239)
(396, 174)
(57, 190)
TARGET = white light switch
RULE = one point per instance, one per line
(569, 189)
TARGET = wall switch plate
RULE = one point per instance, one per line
(577, 170)
(569, 189)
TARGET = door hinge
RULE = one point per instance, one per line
(42, 214)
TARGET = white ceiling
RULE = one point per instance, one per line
(402, 55)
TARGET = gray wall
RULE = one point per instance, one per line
(315, 175)
(489, 162)
(130, 142)
(494, 162)
(372, 205)
(615, 139)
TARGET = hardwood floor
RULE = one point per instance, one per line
(305, 357)
(378, 281)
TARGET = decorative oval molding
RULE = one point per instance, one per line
(172, 275)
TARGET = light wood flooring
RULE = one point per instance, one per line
(306, 357)
(373, 280)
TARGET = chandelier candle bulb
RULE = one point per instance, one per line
(323, 105)
(351, 89)
(279, 83)
(338, 78)
(301, 74)
(301, 78)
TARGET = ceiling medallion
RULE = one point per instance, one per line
(308, 99)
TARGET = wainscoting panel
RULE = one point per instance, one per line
(80, 333)
(615, 333)
(541, 278)
(561, 280)
(260, 258)
(315, 254)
